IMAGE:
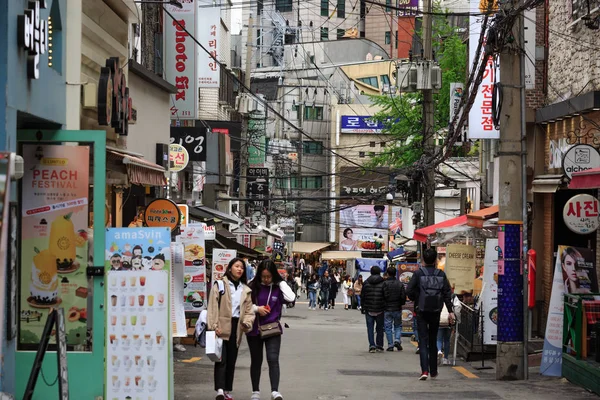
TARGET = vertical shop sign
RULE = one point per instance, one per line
(405, 272)
(138, 261)
(178, 324)
(208, 34)
(54, 247)
(490, 292)
(194, 272)
(258, 187)
(33, 36)
(481, 125)
(180, 59)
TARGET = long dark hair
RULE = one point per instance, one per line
(244, 277)
(270, 266)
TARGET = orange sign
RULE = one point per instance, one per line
(162, 212)
(185, 212)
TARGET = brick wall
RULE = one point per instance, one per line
(536, 98)
(548, 254)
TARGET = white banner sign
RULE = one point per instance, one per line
(481, 125)
(490, 292)
(177, 292)
(530, 28)
(208, 35)
(180, 59)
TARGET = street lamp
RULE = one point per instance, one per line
(169, 2)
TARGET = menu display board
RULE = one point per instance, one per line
(405, 272)
(220, 260)
(194, 270)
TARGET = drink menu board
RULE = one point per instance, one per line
(137, 352)
(194, 271)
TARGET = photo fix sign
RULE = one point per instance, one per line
(114, 103)
(33, 36)
(581, 214)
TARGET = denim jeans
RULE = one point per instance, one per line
(443, 340)
(325, 298)
(312, 299)
(415, 330)
(428, 324)
(375, 322)
(393, 327)
(357, 299)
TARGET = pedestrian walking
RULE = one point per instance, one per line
(347, 292)
(443, 337)
(298, 280)
(291, 282)
(395, 297)
(430, 290)
(311, 287)
(358, 285)
(269, 293)
(325, 285)
(374, 306)
(333, 292)
(229, 314)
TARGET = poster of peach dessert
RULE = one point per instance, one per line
(54, 234)
(138, 313)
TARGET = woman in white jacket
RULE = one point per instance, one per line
(347, 291)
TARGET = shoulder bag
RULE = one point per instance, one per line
(272, 329)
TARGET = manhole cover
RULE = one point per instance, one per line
(361, 372)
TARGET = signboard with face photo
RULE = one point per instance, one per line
(365, 216)
(363, 239)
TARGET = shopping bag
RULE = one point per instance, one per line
(214, 346)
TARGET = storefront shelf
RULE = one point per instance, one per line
(584, 373)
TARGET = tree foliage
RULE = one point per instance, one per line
(404, 112)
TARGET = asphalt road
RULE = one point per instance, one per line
(325, 357)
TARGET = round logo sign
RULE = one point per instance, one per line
(580, 157)
(178, 157)
(581, 214)
(162, 212)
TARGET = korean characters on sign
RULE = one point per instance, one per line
(209, 20)
(33, 36)
(581, 214)
(212, 45)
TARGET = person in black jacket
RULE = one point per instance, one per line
(373, 305)
(333, 291)
(433, 282)
(395, 297)
(325, 288)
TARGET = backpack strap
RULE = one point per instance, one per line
(424, 271)
(221, 287)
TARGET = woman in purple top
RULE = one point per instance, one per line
(269, 293)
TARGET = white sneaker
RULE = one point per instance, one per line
(220, 395)
(276, 396)
(440, 356)
(255, 396)
(445, 361)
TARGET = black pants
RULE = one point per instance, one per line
(225, 370)
(427, 325)
(273, 346)
(332, 296)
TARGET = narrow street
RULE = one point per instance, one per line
(324, 357)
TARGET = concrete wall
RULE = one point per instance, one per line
(153, 117)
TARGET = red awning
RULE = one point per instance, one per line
(422, 234)
(589, 179)
(139, 171)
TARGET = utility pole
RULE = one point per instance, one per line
(511, 351)
(428, 120)
(302, 106)
(246, 117)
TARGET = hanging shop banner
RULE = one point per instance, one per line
(490, 292)
(180, 59)
(178, 325)
(362, 239)
(54, 246)
(481, 125)
(365, 216)
(210, 232)
(178, 158)
(580, 157)
(194, 272)
(138, 340)
(162, 213)
(581, 214)
(257, 187)
(456, 94)
(208, 35)
(220, 260)
(405, 272)
(460, 267)
(257, 140)
(396, 221)
(529, 32)
(193, 139)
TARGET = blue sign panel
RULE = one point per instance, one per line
(360, 124)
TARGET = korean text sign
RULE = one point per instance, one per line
(360, 124)
(208, 34)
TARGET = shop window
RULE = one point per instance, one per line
(388, 3)
(361, 154)
(372, 144)
(283, 5)
(371, 81)
(341, 33)
(385, 80)
(388, 37)
(313, 113)
(324, 8)
(324, 33)
(313, 147)
(341, 8)
(382, 144)
(307, 182)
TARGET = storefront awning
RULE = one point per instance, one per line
(422, 234)
(340, 255)
(477, 219)
(308, 247)
(222, 242)
(547, 183)
(271, 232)
(589, 179)
(204, 213)
(139, 171)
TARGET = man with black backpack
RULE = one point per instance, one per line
(430, 290)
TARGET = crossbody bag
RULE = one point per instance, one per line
(272, 329)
